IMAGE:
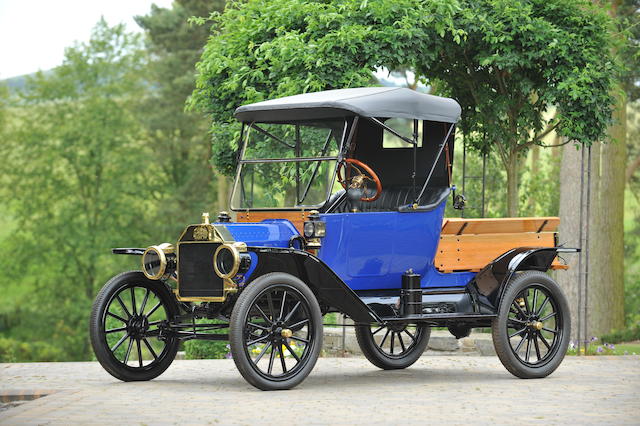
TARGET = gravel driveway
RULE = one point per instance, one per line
(453, 390)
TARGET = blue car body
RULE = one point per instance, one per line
(368, 250)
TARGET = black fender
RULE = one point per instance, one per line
(129, 250)
(490, 283)
(328, 287)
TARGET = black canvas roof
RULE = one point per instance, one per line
(381, 102)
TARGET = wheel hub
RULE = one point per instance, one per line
(398, 328)
(278, 332)
(138, 325)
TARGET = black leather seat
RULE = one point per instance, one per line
(397, 198)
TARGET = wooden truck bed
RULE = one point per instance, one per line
(470, 244)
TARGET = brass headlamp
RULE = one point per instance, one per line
(159, 262)
(231, 259)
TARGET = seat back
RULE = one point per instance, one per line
(390, 200)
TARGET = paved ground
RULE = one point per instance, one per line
(454, 390)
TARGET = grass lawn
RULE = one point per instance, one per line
(631, 348)
(628, 348)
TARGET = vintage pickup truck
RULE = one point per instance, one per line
(338, 206)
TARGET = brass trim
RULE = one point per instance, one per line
(236, 249)
(313, 243)
(286, 333)
(216, 234)
(160, 250)
(202, 233)
(228, 287)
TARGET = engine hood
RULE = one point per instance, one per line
(268, 233)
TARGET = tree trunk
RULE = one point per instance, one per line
(512, 185)
(606, 281)
(604, 294)
(533, 173)
(569, 231)
(223, 192)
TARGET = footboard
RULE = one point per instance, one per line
(470, 244)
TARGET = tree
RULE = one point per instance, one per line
(506, 62)
(264, 49)
(179, 139)
(627, 13)
(604, 299)
(519, 60)
(75, 175)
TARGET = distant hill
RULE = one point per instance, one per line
(393, 80)
(15, 83)
(18, 82)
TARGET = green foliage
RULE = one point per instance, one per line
(180, 146)
(264, 49)
(204, 349)
(540, 184)
(520, 58)
(632, 257)
(628, 20)
(495, 181)
(629, 334)
(17, 351)
(67, 181)
(507, 62)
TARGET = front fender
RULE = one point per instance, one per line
(132, 251)
(325, 284)
(490, 283)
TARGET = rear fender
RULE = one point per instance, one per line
(490, 283)
(329, 289)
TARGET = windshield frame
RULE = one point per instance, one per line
(244, 138)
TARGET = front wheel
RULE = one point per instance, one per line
(393, 346)
(275, 332)
(125, 327)
(531, 332)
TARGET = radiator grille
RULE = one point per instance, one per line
(196, 276)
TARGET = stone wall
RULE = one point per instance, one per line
(339, 343)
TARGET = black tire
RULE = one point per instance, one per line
(133, 306)
(279, 311)
(388, 358)
(534, 311)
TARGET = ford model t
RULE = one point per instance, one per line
(338, 204)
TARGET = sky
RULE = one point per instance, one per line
(34, 33)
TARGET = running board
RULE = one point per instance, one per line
(437, 305)
(441, 317)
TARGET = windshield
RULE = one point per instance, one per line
(287, 165)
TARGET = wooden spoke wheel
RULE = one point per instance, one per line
(393, 346)
(531, 333)
(125, 327)
(276, 332)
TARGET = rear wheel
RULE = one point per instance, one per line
(531, 332)
(393, 346)
(275, 332)
(125, 327)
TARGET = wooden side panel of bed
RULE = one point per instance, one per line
(470, 244)
(295, 217)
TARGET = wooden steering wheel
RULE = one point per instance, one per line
(358, 181)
